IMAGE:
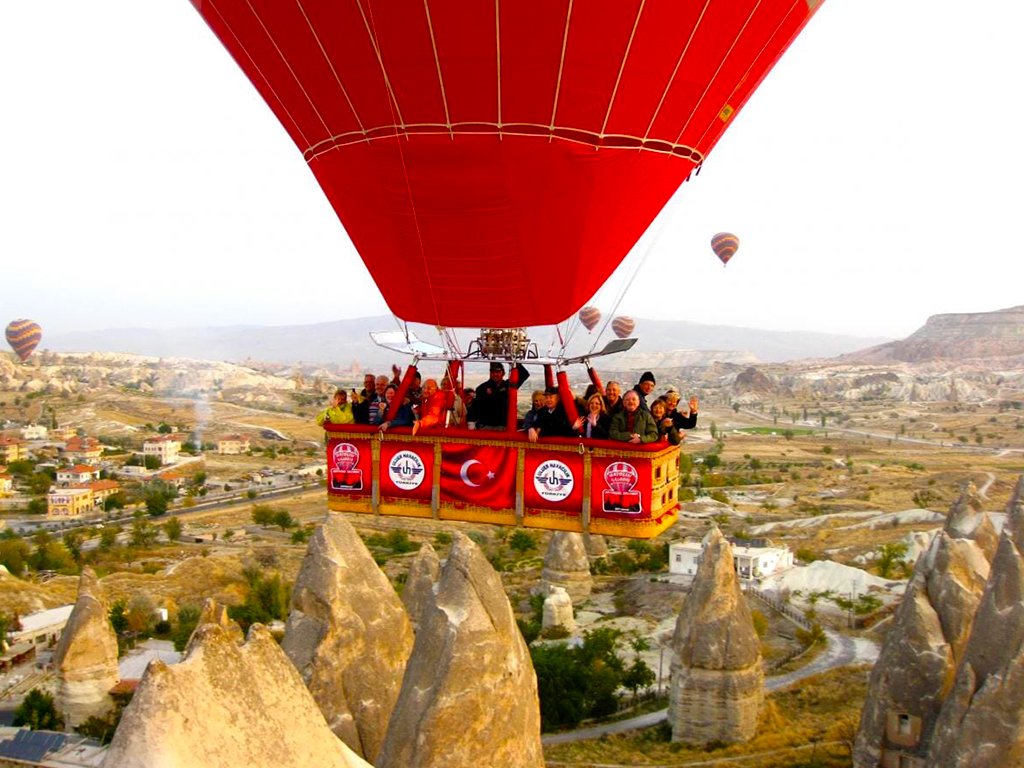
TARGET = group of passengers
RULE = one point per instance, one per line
(628, 418)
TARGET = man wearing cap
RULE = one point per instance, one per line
(490, 406)
(552, 421)
(644, 388)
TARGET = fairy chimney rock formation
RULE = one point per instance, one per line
(348, 635)
(423, 575)
(717, 686)
(566, 565)
(596, 545)
(558, 614)
(86, 656)
(981, 724)
(216, 613)
(469, 697)
(919, 656)
(966, 520)
(226, 705)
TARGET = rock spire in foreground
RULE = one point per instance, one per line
(567, 565)
(469, 697)
(216, 613)
(226, 705)
(348, 635)
(717, 686)
(981, 724)
(86, 656)
(926, 641)
(423, 575)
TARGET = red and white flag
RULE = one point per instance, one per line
(483, 475)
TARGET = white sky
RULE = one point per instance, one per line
(873, 180)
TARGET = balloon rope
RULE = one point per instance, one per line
(664, 216)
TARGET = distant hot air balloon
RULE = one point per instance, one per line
(590, 317)
(24, 337)
(725, 245)
(623, 326)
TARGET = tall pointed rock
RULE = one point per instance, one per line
(423, 575)
(86, 656)
(469, 697)
(226, 704)
(717, 686)
(982, 720)
(918, 659)
(567, 565)
(348, 635)
(966, 520)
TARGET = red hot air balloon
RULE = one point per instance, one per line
(469, 147)
(725, 245)
(590, 317)
(24, 336)
(623, 326)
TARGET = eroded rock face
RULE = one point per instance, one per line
(917, 662)
(86, 656)
(215, 613)
(966, 520)
(566, 565)
(596, 545)
(423, 575)
(981, 724)
(558, 613)
(348, 635)
(717, 686)
(469, 696)
(226, 705)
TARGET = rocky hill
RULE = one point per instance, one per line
(965, 336)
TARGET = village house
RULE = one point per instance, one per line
(42, 629)
(33, 432)
(232, 445)
(65, 432)
(82, 450)
(163, 447)
(79, 473)
(754, 559)
(12, 449)
(101, 490)
(6, 483)
(69, 502)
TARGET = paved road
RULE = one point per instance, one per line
(840, 652)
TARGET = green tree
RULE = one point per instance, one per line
(188, 619)
(144, 533)
(118, 615)
(891, 557)
(150, 461)
(38, 712)
(283, 519)
(638, 675)
(173, 529)
(263, 514)
(108, 536)
(115, 500)
(14, 555)
(522, 542)
(268, 599)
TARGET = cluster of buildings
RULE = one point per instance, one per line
(753, 559)
(80, 488)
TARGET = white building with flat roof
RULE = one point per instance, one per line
(42, 628)
(753, 559)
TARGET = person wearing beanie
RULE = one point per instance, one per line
(644, 388)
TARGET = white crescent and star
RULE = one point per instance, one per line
(464, 473)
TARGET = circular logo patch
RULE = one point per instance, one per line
(553, 480)
(346, 456)
(406, 470)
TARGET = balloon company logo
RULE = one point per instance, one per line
(406, 470)
(553, 480)
(344, 475)
(621, 477)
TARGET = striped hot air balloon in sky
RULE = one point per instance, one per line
(623, 326)
(725, 245)
(24, 336)
(590, 317)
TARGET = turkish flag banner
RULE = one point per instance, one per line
(349, 471)
(482, 475)
(620, 488)
(406, 470)
(554, 481)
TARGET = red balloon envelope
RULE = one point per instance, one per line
(24, 336)
(590, 317)
(725, 245)
(622, 326)
(494, 162)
